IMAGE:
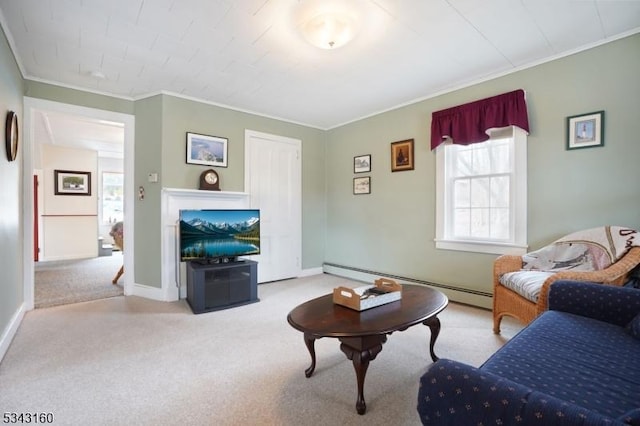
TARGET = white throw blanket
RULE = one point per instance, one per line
(590, 250)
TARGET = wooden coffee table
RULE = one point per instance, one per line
(362, 333)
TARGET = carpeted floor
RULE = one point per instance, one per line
(134, 361)
(72, 281)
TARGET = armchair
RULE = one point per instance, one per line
(521, 283)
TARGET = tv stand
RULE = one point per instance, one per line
(215, 286)
(218, 260)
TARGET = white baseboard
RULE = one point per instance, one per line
(11, 330)
(454, 295)
(148, 292)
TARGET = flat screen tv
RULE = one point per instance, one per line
(215, 236)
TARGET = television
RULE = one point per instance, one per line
(218, 236)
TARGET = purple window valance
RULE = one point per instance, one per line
(468, 123)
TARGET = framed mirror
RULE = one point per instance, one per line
(11, 135)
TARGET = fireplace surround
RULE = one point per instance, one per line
(173, 200)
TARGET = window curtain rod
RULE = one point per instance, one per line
(471, 123)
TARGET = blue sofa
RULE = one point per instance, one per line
(576, 364)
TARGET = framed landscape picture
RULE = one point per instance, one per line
(206, 150)
(68, 182)
(585, 130)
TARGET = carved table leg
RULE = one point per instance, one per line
(361, 358)
(309, 340)
(434, 325)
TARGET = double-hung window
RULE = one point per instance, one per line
(481, 196)
(112, 197)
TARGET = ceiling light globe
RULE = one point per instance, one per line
(329, 31)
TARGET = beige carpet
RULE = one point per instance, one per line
(132, 361)
(72, 281)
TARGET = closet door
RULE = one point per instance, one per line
(273, 178)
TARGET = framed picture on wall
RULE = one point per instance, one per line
(362, 163)
(585, 130)
(402, 155)
(68, 182)
(206, 150)
(362, 185)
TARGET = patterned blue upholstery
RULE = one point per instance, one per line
(576, 364)
(634, 327)
(602, 302)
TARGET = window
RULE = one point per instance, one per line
(112, 197)
(481, 194)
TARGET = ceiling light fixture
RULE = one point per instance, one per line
(330, 30)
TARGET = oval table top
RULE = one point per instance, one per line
(320, 317)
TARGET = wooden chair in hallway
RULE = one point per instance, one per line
(117, 234)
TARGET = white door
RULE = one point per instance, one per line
(273, 175)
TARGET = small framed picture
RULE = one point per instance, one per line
(362, 163)
(68, 182)
(362, 185)
(206, 150)
(402, 155)
(585, 130)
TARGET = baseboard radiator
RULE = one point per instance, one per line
(457, 294)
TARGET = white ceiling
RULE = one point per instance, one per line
(249, 55)
(79, 132)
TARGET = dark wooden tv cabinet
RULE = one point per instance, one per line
(215, 286)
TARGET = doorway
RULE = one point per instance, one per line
(84, 119)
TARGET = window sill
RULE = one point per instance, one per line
(481, 247)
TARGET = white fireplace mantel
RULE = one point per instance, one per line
(200, 194)
(174, 200)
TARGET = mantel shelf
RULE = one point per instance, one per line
(198, 193)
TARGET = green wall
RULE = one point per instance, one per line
(11, 190)
(35, 89)
(392, 230)
(148, 159)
